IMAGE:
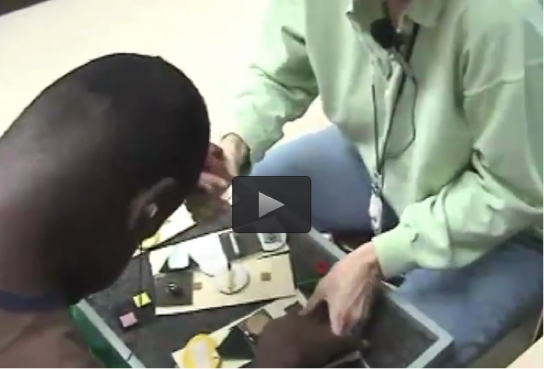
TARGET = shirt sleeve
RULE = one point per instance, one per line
(500, 194)
(279, 84)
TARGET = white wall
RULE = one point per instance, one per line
(207, 39)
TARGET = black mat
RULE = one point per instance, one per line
(396, 339)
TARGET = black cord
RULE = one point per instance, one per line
(412, 125)
(381, 159)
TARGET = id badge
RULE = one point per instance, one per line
(375, 207)
(375, 211)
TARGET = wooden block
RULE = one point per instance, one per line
(128, 320)
(141, 300)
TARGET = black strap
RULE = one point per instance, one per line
(381, 159)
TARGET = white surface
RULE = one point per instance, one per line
(158, 258)
(179, 258)
(207, 39)
(233, 280)
(179, 221)
(210, 40)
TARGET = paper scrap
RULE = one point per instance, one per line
(179, 221)
(206, 251)
(179, 258)
(157, 258)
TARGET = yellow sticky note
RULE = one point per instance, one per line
(141, 300)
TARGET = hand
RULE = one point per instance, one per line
(348, 289)
(303, 341)
(222, 164)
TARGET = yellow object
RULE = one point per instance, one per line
(141, 300)
(151, 241)
(200, 353)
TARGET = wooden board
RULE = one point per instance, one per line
(532, 358)
(281, 284)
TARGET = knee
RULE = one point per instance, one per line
(279, 161)
(302, 156)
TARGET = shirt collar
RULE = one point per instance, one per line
(427, 13)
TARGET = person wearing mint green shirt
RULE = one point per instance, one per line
(443, 140)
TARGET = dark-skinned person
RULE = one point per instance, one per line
(93, 166)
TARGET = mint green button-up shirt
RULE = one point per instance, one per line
(465, 172)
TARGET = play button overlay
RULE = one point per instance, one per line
(267, 204)
(271, 204)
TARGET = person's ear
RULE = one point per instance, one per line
(152, 207)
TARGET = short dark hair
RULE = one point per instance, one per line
(124, 117)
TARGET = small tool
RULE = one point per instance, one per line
(233, 279)
(230, 282)
(234, 243)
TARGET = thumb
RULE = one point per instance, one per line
(337, 325)
(314, 301)
(211, 182)
(215, 151)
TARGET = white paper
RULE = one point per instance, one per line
(179, 258)
(179, 221)
(206, 251)
(158, 258)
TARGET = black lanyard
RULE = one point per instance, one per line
(381, 157)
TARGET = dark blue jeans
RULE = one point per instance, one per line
(477, 304)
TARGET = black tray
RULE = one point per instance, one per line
(399, 335)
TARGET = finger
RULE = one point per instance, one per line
(212, 183)
(215, 151)
(356, 316)
(314, 301)
(337, 322)
(352, 320)
(203, 216)
(366, 309)
(209, 211)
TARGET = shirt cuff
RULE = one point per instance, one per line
(394, 251)
(249, 127)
